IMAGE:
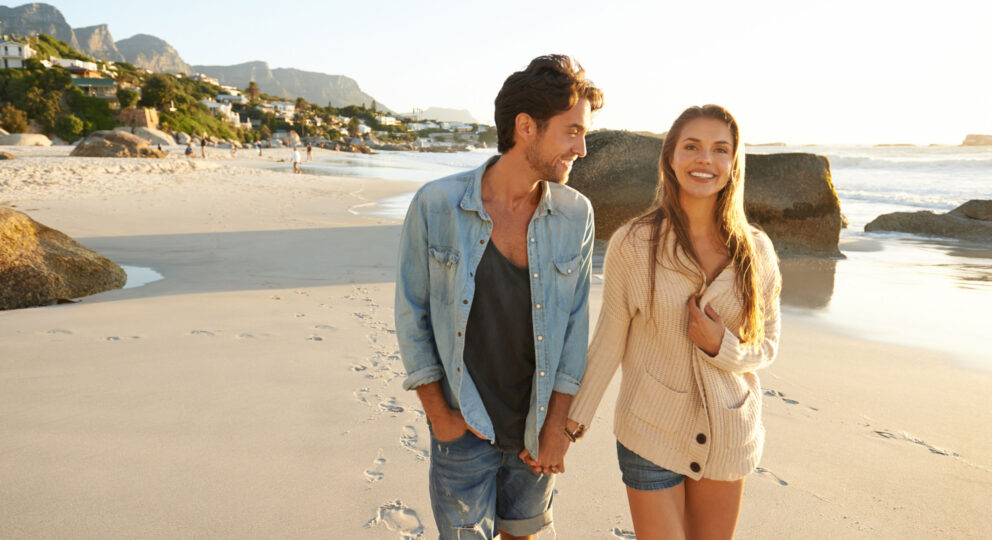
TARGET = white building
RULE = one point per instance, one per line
(387, 120)
(13, 54)
(223, 110)
(69, 63)
(203, 78)
(232, 98)
(285, 110)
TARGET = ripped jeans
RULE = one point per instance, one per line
(477, 489)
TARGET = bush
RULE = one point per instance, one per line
(69, 128)
(127, 97)
(13, 119)
(94, 112)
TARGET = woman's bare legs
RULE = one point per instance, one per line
(712, 508)
(658, 515)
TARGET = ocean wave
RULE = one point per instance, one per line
(924, 201)
(864, 162)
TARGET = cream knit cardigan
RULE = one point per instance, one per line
(679, 407)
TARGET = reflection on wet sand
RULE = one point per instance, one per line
(807, 283)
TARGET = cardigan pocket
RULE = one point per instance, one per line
(738, 426)
(661, 406)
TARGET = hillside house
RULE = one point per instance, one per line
(97, 87)
(13, 54)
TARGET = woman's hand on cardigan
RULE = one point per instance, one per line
(705, 329)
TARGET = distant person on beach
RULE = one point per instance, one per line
(203, 147)
(189, 150)
(691, 311)
(492, 302)
(259, 146)
(309, 151)
(296, 158)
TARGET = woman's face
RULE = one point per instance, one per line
(702, 159)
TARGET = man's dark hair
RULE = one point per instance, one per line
(549, 86)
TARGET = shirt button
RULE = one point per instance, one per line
(694, 466)
(464, 301)
(542, 373)
(542, 408)
(482, 241)
(701, 438)
(535, 274)
(540, 338)
(569, 270)
(459, 334)
(532, 240)
(458, 369)
(538, 306)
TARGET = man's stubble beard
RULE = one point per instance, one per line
(545, 171)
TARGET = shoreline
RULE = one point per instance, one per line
(255, 389)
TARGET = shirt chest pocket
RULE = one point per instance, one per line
(443, 268)
(566, 278)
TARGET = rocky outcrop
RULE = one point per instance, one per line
(152, 53)
(291, 83)
(34, 19)
(39, 265)
(115, 144)
(182, 138)
(7, 155)
(25, 139)
(97, 42)
(790, 196)
(153, 136)
(977, 140)
(971, 221)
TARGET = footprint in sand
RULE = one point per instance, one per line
(113, 338)
(246, 335)
(396, 516)
(411, 441)
(323, 327)
(390, 406)
(315, 338)
(623, 533)
(903, 436)
(761, 471)
(776, 394)
(374, 473)
(363, 395)
(201, 332)
(59, 331)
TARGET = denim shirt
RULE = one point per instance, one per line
(444, 236)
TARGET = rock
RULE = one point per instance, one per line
(957, 223)
(977, 140)
(975, 209)
(7, 155)
(4, 132)
(58, 142)
(790, 196)
(115, 144)
(154, 136)
(182, 138)
(39, 265)
(97, 42)
(24, 139)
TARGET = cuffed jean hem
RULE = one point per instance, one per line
(525, 527)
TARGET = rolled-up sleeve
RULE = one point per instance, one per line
(414, 331)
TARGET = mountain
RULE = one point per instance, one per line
(289, 83)
(151, 53)
(444, 115)
(34, 19)
(97, 42)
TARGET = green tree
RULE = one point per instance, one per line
(265, 132)
(128, 98)
(13, 120)
(353, 126)
(159, 91)
(373, 106)
(252, 91)
(69, 128)
(44, 107)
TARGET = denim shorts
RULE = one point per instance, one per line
(477, 489)
(642, 475)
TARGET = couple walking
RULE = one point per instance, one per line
(492, 315)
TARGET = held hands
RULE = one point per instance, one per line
(705, 329)
(551, 455)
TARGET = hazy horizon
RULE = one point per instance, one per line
(851, 73)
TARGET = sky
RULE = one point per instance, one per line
(858, 72)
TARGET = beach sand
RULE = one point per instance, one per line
(255, 390)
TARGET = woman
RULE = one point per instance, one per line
(691, 310)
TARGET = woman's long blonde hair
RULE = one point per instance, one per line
(667, 216)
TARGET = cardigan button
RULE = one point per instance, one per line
(694, 466)
(701, 438)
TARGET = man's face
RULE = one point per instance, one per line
(560, 143)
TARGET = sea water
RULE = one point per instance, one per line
(900, 288)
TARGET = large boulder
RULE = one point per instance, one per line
(182, 138)
(7, 155)
(791, 196)
(977, 140)
(971, 221)
(154, 136)
(25, 139)
(115, 144)
(39, 265)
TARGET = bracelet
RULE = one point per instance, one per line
(569, 435)
(574, 435)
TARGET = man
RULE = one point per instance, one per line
(296, 160)
(492, 310)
